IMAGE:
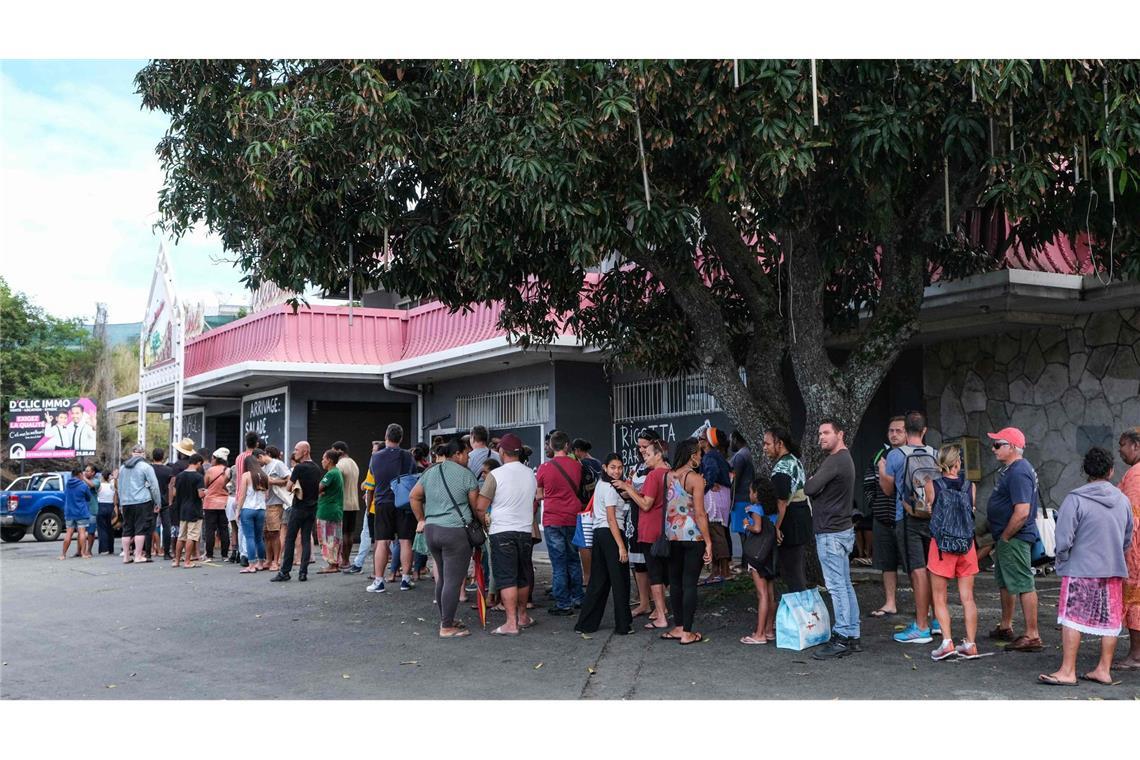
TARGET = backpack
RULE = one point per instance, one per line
(920, 467)
(952, 524)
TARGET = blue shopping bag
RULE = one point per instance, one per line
(802, 620)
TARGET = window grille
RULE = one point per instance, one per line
(504, 409)
(663, 397)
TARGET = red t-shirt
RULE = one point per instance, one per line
(649, 523)
(560, 505)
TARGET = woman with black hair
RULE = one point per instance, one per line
(251, 493)
(611, 571)
(690, 544)
(793, 522)
(1094, 528)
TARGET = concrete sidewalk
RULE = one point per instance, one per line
(100, 629)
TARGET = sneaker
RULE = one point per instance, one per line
(935, 627)
(945, 650)
(406, 585)
(377, 586)
(352, 570)
(967, 650)
(833, 649)
(914, 635)
(560, 611)
(854, 645)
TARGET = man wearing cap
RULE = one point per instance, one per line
(509, 493)
(1012, 514)
(138, 494)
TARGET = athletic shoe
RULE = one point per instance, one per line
(406, 585)
(946, 649)
(914, 635)
(352, 570)
(935, 627)
(834, 649)
(967, 650)
(377, 586)
(853, 644)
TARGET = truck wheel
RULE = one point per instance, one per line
(12, 535)
(48, 527)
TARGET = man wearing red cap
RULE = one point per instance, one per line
(1012, 514)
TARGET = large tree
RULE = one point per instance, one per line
(731, 229)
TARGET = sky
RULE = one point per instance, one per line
(79, 184)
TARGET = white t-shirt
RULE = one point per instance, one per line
(275, 469)
(605, 495)
(511, 489)
(106, 493)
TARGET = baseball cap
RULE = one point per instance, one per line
(1011, 435)
(511, 444)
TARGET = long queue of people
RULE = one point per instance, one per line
(608, 531)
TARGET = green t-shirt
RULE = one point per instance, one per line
(330, 504)
(437, 501)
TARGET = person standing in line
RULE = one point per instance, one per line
(760, 553)
(366, 516)
(944, 565)
(94, 481)
(251, 492)
(636, 556)
(690, 546)
(445, 501)
(1012, 514)
(278, 473)
(559, 480)
(330, 512)
(480, 451)
(106, 513)
(237, 536)
(307, 474)
(610, 516)
(912, 533)
(164, 522)
(1130, 487)
(350, 474)
(832, 491)
(886, 549)
(718, 500)
(591, 472)
(182, 454)
(390, 524)
(76, 512)
(743, 473)
(650, 502)
(793, 516)
(214, 522)
(507, 503)
(1094, 530)
(189, 490)
(138, 494)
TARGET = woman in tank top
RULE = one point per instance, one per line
(251, 492)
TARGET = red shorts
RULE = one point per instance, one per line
(952, 565)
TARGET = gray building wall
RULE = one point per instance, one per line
(580, 404)
(1067, 388)
(440, 400)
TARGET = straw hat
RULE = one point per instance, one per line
(185, 446)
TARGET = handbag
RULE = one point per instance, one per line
(475, 535)
(403, 484)
(802, 621)
(419, 544)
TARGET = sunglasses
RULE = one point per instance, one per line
(999, 444)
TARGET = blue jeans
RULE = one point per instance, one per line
(253, 528)
(564, 565)
(365, 541)
(834, 551)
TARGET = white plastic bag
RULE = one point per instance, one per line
(802, 620)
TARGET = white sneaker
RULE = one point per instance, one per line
(377, 586)
(944, 651)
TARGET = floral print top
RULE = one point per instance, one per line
(680, 515)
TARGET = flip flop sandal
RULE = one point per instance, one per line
(456, 635)
(1025, 644)
(881, 613)
(247, 570)
(1087, 677)
(1001, 634)
(699, 638)
(651, 627)
(1123, 666)
(1047, 680)
(669, 637)
(533, 622)
(500, 632)
(752, 640)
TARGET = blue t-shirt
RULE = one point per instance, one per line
(75, 505)
(1016, 484)
(715, 470)
(741, 465)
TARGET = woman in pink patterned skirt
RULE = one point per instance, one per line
(1094, 529)
(1130, 487)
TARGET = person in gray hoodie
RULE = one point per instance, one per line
(1094, 528)
(138, 498)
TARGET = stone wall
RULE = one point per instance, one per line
(1067, 388)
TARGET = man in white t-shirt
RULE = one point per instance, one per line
(507, 496)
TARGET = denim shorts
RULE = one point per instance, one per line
(77, 523)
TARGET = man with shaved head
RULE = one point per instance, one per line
(307, 474)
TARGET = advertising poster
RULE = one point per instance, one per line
(671, 430)
(264, 414)
(51, 428)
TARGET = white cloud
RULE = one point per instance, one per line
(79, 185)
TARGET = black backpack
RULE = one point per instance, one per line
(952, 522)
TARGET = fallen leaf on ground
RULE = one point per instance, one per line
(587, 636)
(346, 675)
(410, 662)
(133, 675)
(539, 665)
(900, 627)
(257, 616)
(906, 656)
(421, 620)
(110, 686)
(591, 671)
(914, 667)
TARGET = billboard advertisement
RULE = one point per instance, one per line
(51, 428)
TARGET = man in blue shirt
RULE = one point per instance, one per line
(389, 523)
(1012, 514)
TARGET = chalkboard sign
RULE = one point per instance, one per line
(267, 414)
(530, 435)
(671, 430)
(194, 426)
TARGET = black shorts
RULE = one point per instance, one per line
(913, 541)
(511, 559)
(885, 548)
(657, 567)
(390, 523)
(138, 519)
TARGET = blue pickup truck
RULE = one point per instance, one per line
(33, 502)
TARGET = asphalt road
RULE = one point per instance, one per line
(98, 629)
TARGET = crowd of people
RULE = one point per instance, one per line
(473, 507)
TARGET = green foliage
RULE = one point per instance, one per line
(44, 357)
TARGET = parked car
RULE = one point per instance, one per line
(33, 502)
